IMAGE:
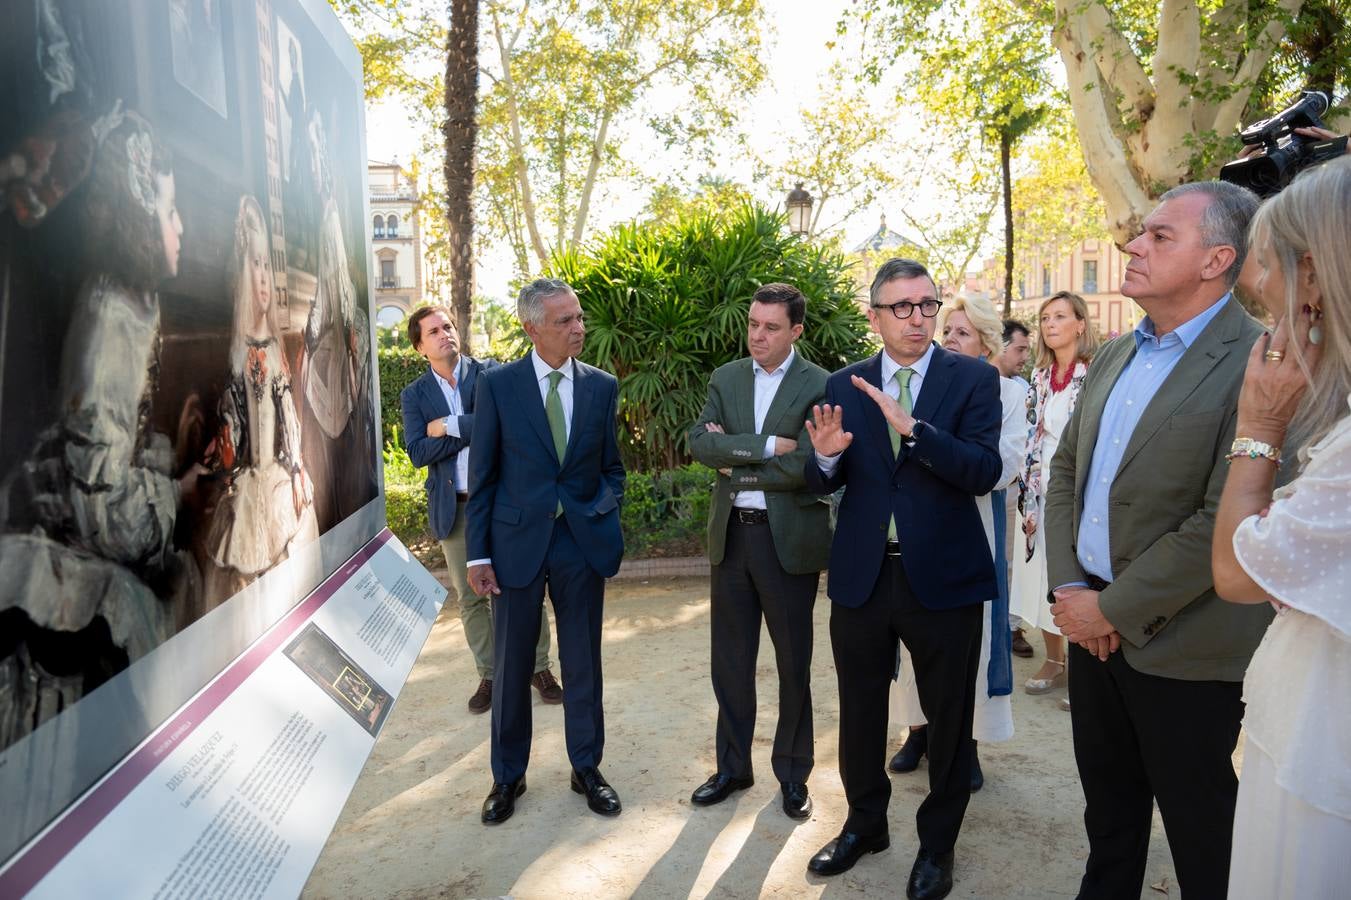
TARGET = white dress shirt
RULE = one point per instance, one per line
(542, 370)
(766, 387)
(456, 404)
(893, 390)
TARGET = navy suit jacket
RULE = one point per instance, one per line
(421, 402)
(930, 486)
(519, 481)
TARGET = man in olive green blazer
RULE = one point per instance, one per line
(1157, 659)
(768, 540)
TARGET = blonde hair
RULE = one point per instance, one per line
(980, 313)
(1088, 341)
(250, 224)
(1313, 216)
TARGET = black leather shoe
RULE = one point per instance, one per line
(501, 802)
(912, 751)
(977, 776)
(719, 787)
(841, 854)
(599, 795)
(796, 802)
(930, 876)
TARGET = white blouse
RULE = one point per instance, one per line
(1298, 685)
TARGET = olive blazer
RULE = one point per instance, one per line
(1162, 507)
(798, 518)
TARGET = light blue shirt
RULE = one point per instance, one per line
(1155, 358)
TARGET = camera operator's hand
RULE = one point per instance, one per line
(1318, 134)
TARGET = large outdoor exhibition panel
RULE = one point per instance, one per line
(187, 388)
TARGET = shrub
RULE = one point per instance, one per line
(405, 496)
(666, 304)
(400, 366)
(666, 513)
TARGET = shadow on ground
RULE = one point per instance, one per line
(411, 826)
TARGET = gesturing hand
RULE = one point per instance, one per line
(826, 430)
(901, 421)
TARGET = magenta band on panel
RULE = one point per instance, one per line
(40, 858)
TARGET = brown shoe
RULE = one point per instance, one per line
(482, 701)
(1020, 645)
(549, 690)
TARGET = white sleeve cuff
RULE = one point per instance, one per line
(828, 464)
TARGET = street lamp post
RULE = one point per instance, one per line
(799, 210)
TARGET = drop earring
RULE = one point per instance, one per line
(1315, 329)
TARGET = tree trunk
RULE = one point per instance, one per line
(461, 134)
(1005, 151)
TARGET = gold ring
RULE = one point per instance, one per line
(1275, 355)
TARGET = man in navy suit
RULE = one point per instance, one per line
(545, 512)
(438, 423)
(913, 436)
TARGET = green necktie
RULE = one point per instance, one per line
(558, 426)
(902, 378)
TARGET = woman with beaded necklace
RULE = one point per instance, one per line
(1066, 340)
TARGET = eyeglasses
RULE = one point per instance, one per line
(903, 309)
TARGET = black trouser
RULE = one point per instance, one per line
(748, 585)
(578, 595)
(1138, 738)
(945, 647)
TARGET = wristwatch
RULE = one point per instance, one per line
(445, 423)
(915, 429)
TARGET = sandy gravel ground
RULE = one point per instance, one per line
(411, 827)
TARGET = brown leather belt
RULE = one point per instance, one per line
(462, 496)
(893, 548)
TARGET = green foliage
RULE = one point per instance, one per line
(565, 81)
(405, 496)
(666, 513)
(399, 367)
(666, 304)
(663, 514)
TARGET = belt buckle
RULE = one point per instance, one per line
(750, 516)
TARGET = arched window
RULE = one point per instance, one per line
(379, 226)
(392, 225)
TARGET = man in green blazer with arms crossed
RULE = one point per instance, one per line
(768, 540)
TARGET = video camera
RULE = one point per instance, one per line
(1287, 154)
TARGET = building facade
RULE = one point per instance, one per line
(396, 242)
(1093, 268)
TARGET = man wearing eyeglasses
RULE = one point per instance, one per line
(914, 434)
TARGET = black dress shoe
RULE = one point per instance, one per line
(599, 795)
(796, 802)
(719, 787)
(841, 854)
(501, 802)
(977, 776)
(912, 751)
(930, 876)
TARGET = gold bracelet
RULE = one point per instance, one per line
(1251, 448)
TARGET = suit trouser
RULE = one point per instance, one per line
(945, 647)
(578, 595)
(476, 615)
(747, 586)
(1138, 738)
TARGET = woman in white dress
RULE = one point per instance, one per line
(1292, 546)
(1066, 340)
(970, 326)
(268, 506)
